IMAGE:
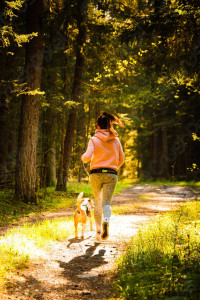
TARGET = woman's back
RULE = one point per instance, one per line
(107, 150)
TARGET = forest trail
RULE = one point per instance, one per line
(77, 269)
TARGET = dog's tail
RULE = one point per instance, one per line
(79, 200)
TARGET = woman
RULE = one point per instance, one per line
(106, 155)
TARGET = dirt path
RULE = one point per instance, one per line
(77, 269)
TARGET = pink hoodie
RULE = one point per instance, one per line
(104, 150)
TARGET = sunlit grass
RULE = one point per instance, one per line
(124, 209)
(144, 198)
(11, 208)
(19, 246)
(122, 185)
(177, 183)
(163, 259)
(78, 187)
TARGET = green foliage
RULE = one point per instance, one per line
(10, 260)
(159, 80)
(77, 187)
(122, 185)
(162, 260)
(11, 208)
(141, 61)
(8, 32)
(195, 184)
(124, 209)
(12, 7)
(28, 242)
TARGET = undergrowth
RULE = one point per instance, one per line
(125, 209)
(195, 184)
(20, 245)
(11, 208)
(163, 259)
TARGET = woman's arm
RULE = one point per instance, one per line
(121, 155)
(88, 154)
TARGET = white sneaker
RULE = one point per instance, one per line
(98, 237)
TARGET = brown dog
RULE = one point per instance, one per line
(84, 210)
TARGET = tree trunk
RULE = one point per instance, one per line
(26, 169)
(4, 135)
(50, 161)
(42, 165)
(68, 143)
(48, 153)
(97, 109)
(165, 157)
(155, 154)
(63, 130)
(6, 74)
(60, 168)
(81, 137)
(76, 90)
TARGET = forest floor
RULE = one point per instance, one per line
(83, 269)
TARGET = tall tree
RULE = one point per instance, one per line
(26, 168)
(76, 91)
(12, 39)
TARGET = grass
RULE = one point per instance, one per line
(122, 185)
(163, 259)
(11, 209)
(19, 246)
(76, 187)
(177, 183)
(124, 209)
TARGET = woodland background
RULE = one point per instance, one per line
(64, 62)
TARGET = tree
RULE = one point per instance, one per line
(26, 168)
(12, 38)
(76, 91)
(162, 36)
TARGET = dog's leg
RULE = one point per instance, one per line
(76, 229)
(83, 230)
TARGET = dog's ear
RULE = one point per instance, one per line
(80, 196)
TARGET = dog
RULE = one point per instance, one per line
(84, 210)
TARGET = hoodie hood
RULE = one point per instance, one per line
(105, 134)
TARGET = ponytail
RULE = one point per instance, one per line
(106, 121)
(113, 119)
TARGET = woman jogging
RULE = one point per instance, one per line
(106, 155)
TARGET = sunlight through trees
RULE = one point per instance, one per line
(75, 59)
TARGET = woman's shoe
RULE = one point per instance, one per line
(105, 233)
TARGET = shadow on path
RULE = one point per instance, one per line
(82, 270)
(76, 241)
(84, 263)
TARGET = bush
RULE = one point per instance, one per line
(163, 259)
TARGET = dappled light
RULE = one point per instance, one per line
(58, 263)
(99, 99)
